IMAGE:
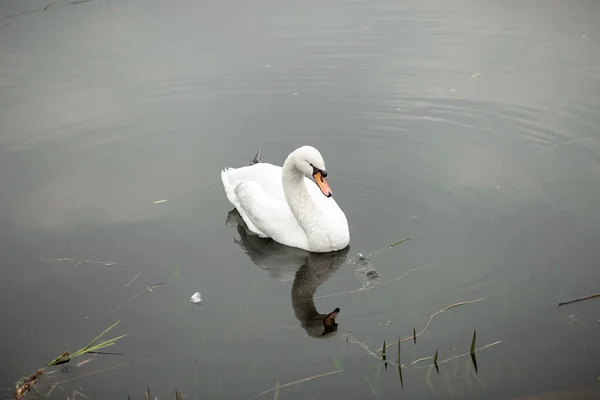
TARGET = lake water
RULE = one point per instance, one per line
(469, 126)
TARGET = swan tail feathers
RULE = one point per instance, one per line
(257, 157)
(229, 187)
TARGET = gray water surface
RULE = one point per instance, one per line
(470, 126)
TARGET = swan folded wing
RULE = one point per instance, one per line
(268, 176)
(271, 216)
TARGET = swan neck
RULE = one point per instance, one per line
(296, 193)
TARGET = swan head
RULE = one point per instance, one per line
(309, 161)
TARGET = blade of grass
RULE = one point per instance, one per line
(435, 362)
(414, 336)
(383, 355)
(473, 342)
(102, 334)
(90, 347)
(400, 365)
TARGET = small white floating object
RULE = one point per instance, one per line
(196, 298)
(476, 75)
(160, 201)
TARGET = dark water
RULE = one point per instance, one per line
(472, 126)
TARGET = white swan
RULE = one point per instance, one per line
(287, 206)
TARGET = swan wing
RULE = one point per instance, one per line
(267, 176)
(269, 215)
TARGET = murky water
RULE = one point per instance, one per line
(470, 126)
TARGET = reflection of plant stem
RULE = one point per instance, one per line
(462, 303)
(467, 374)
(428, 381)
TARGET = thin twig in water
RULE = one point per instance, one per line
(462, 303)
(421, 360)
(205, 272)
(555, 146)
(118, 366)
(75, 393)
(131, 281)
(487, 346)
(591, 296)
(394, 244)
(297, 382)
(370, 287)
(147, 289)
(79, 261)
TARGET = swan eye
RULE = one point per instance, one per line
(315, 170)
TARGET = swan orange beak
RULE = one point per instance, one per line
(329, 319)
(319, 177)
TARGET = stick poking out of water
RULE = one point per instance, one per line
(591, 296)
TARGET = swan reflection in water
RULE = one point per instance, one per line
(311, 271)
